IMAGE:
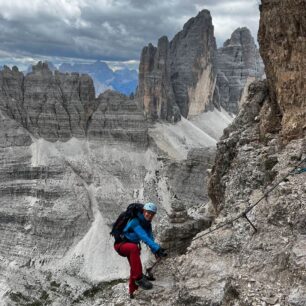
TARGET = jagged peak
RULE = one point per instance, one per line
(202, 17)
(163, 39)
(7, 68)
(240, 36)
(41, 67)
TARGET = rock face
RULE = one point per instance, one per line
(237, 269)
(238, 64)
(155, 90)
(189, 75)
(282, 41)
(58, 106)
(192, 65)
(266, 267)
(180, 75)
(49, 105)
(117, 118)
(31, 194)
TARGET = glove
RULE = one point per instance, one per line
(161, 253)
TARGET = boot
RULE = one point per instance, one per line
(149, 277)
(144, 283)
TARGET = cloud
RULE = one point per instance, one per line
(114, 30)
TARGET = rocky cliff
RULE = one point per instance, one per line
(238, 64)
(189, 75)
(179, 77)
(117, 118)
(282, 38)
(155, 92)
(59, 106)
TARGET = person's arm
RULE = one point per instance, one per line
(141, 233)
(150, 234)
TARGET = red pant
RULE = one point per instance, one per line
(132, 252)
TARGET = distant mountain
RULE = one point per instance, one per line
(50, 66)
(123, 80)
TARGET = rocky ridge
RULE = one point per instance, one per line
(59, 106)
(236, 265)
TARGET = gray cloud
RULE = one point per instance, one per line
(112, 30)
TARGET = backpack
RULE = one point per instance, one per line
(119, 225)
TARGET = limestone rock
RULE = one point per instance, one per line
(282, 47)
(31, 222)
(11, 93)
(59, 106)
(192, 65)
(179, 78)
(49, 105)
(238, 64)
(117, 118)
(155, 91)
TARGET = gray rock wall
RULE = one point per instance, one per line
(238, 63)
(155, 91)
(59, 106)
(193, 76)
(40, 212)
(192, 64)
(117, 118)
(179, 77)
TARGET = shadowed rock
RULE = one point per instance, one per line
(282, 38)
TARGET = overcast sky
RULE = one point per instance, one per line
(108, 30)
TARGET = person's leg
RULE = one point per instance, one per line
(132, 251)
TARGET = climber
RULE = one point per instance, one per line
(139, 229)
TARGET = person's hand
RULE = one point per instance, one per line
(161, 253)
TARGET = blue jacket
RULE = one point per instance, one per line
(139, 229)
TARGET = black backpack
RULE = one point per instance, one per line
(118, 227)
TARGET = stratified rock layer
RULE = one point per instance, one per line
(40, 212)
(282, 38)
(52, 106)
(117, 118)
(59, 106)
(238, 64)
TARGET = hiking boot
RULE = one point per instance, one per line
(132, 296)
(144, 283)
(149, 277)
